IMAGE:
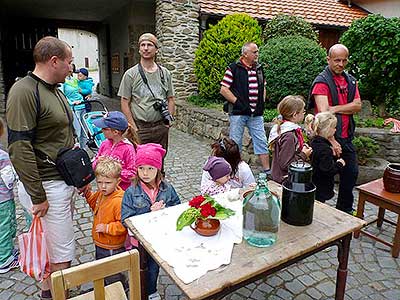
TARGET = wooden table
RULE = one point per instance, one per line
(375, 193)
(330, 227)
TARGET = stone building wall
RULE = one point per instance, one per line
(210, 124)
(2, 88)
(177, 28)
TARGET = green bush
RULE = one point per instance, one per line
(220, 46)
(270, 114)
(283, 25)
(199, 101)
(370, 122)
(290, 63)
(374, 45)
(365, 148)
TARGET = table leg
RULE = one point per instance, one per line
(396, 239)
(360, 211)
(143, 271)
(381, 215)
(343, 258)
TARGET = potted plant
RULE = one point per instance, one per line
(205, 212)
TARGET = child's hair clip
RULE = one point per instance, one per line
(279, 117)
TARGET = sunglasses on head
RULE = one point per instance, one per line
(222, 144)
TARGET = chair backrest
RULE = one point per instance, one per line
(96, 271)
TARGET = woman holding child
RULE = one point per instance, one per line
(240, 174)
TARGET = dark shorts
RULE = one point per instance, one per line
(102, 253)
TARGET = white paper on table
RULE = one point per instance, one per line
(190, 254)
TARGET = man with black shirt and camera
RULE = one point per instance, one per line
(147, 95)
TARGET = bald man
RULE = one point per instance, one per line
(336, 91)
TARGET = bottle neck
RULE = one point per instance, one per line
(262, 185)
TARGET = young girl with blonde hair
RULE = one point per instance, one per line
(286, 137)
(322, 127)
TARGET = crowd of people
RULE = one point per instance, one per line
(129, 163)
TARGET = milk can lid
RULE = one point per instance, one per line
(300, 166)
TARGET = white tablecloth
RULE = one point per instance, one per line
(192, 255)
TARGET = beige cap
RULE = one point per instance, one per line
(148, 37)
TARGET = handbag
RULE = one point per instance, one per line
(74, 166)
(34, 258)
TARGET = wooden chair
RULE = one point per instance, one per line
(96, 271)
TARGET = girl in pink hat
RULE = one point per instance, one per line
(148, 192)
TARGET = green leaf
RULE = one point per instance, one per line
(224, 214)
(186, 218)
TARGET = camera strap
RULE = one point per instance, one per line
(141, 72)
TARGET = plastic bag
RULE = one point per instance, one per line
(34, 259)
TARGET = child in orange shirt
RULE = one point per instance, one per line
(108, 232)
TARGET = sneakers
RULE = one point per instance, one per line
(352, 212)
(154, 296)
(15, 252)
(12, 265)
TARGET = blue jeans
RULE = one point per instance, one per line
(152, 274)
(80, 133)
(256, 129)
(102, 253)
(348, 176)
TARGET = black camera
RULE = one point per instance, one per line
(162, 106)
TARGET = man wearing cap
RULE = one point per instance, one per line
(139, 100)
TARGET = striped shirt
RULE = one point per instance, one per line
(252, 84)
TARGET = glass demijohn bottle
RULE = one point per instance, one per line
(261, 215)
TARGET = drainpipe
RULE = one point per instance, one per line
(203, 25)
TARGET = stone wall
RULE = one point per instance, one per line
(2, 88)
(389, 142)
(210, 124)
(177, 28)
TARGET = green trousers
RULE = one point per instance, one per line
(8, 230)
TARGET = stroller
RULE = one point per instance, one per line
(93, 134)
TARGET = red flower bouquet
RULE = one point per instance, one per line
(203, 207)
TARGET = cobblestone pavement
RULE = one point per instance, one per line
(373, 273)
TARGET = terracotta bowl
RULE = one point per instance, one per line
(208, 227)
(391, 178)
